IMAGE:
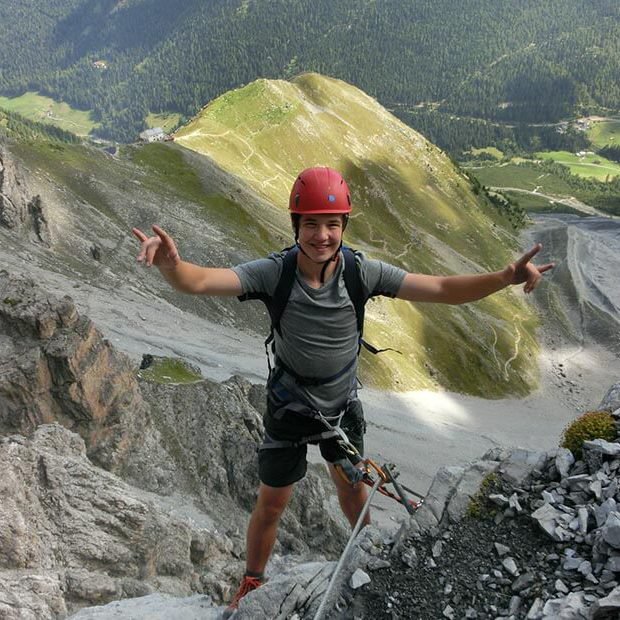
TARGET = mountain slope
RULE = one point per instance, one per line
(412, 207)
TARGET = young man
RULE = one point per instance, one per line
(316, 342)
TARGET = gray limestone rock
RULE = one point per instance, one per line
(20, 210)
(572, 607)
(611, 400)
(358, 579)
(58, 367)
(511, 566)
(602, 511)
(299, 590)
(607, 607)
(523, 581)
(610, 532)
(518, 467)
(547, 517)
(536, 610)
(609, 448)
(64, 512)
(30, 594)
(432, 510)
(564, 461)
(467, 487)
(154, 607)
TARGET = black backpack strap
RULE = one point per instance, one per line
(355, 289)
(353, 284)
(277, 302)
(284, 287)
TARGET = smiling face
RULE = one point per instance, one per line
(320, 235)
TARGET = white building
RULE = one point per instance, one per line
(153, 135)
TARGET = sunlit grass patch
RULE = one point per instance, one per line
(604, 133)
(42, 109)
(168, 370)
(167, 122)
(586, 165)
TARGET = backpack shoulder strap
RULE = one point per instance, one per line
(353, 284)
(277, 301)
(284, 287)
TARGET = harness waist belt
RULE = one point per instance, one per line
(270, 443)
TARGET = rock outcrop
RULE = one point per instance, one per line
(115, 486)
(516, 535)
(73, 534)
(56, 366)
(20, 210)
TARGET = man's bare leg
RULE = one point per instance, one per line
(263, 527)
(351, 498)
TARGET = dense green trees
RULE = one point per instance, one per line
(16, 126)
(457, 134)
(502, 60)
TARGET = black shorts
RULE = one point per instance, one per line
(279, 467)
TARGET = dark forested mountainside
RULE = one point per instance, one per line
(505, 60)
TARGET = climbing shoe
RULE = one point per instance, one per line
(247, 585)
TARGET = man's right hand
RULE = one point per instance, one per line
(159, 250)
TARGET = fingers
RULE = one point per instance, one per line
(527, 257)
(169, 244)
(152, 245)
(535, 276)
(546, 267)
(148, 248)
(139, 234)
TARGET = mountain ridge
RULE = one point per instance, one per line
(412, 206)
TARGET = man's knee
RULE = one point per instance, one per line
(271, 502)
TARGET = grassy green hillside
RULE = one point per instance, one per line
(412, 208)
(606, 132)
(589, 165)
(41, 109)
(556, 177)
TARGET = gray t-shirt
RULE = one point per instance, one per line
(319, 327)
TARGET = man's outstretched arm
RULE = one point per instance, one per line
(462, 289)
(161, 251)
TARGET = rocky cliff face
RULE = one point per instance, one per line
(19, 209)
(74, 534)
(116, 487)
(55, 366)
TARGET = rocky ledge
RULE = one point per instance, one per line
(516, 535)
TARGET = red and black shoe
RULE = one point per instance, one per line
(247, 585)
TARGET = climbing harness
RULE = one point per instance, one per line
(353, 468)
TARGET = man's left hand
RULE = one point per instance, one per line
(523, 270)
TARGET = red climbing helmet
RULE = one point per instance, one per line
(320, 190)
